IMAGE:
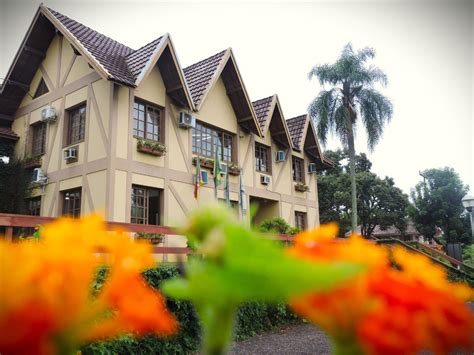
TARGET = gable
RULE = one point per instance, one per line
(203, 75)
(271, 120)
(217, 110)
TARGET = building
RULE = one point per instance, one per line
(102, 122)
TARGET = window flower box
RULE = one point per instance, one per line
(233, 169)
(33, 162)
(153, 238)
(151, 147)
(205, 163)
(301, 187)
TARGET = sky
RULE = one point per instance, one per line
(426, 48)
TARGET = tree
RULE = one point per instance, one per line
(352, 96)
(380, 201)
(14, 181)
(437, 203)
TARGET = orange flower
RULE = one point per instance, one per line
(384, 310)
(46, 289)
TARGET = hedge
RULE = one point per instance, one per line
(252, 319)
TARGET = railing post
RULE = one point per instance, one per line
(9, 234)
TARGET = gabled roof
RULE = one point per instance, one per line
(202, 76)
(297, 127)
(199, 76)
(304, 137)
(270, 118)
(262, 109)
(111, 59)
(110, 54)
(7, 134)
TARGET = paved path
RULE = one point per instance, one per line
(294, 339)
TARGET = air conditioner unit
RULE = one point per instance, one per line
(48, 114)
(186, 120)
(264, 179)
(39, 177)
(312, 168)
(70, 154)
(280, 156)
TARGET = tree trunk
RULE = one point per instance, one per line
(352, 175)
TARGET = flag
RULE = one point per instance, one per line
(241, 192)
(217, 171)
(198, 178)
(227, 188)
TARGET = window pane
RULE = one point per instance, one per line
(77, 125)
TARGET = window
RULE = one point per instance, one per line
(206, 140)
(145, 205)
(298, 169)
(38, 139)
(149, 128)
(72, 203)
(41, 89)
(34, 206)
(76, 127)
(263, 161)
(300, 220)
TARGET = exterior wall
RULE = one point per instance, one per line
(70, 81)
(109, 163)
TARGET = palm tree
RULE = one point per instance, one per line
(352, 96)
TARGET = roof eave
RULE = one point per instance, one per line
(66, 33)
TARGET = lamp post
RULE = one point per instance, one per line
(468, 203)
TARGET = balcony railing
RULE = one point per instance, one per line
(11, 221)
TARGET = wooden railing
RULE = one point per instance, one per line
(453, 266)
(11, 221)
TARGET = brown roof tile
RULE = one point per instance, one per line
(122, 63)
(7, 133)
(262, 108)
(296, 129)
(199, 75)
(138, 59)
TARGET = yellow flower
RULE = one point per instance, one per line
(45, 293)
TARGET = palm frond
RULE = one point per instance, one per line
(375, 111)
(322, 109)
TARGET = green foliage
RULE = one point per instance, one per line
(352, 96)
(468, 255)
(437, 203)
(240, 266)
(379, 201)
(153, 145)
(252, 318)
(14, 186)
(155, 238)
(277, 225)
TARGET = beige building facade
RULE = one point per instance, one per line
(110, 128)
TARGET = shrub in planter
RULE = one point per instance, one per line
(301, 187)
(154, 238)
(277, 225)
(151, 147)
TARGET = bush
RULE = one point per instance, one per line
(277, 225)
(252, 318)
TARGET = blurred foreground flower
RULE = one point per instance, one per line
(239, 265)
(46, 301)
(385, 310)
